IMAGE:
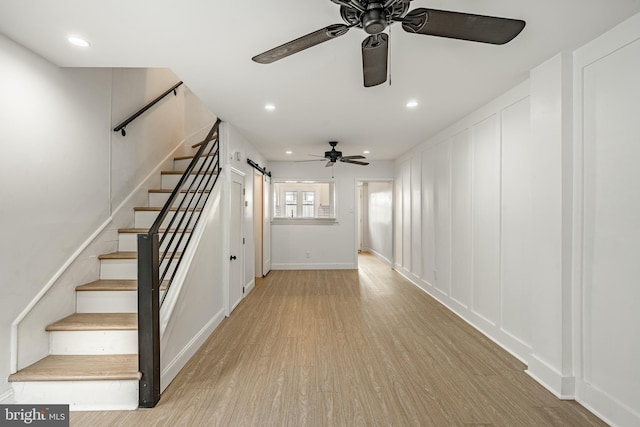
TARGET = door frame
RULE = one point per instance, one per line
(258, 223)
(235, 175)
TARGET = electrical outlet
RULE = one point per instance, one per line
(308, 254)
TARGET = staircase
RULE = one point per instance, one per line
(93, 353)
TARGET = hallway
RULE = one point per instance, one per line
(348, 348)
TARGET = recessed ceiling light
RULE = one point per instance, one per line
(289, 152)
(366, 152)
(269, 107)
(412, 104)
(78, 41)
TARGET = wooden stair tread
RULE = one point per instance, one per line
(182, 172)
(169, 191)
(128, 255)
(96, 322)
(81, 368)
(109, 285)
(158, 209)
(114, 285)
(198, 144)
(119, 255)
(146, 230)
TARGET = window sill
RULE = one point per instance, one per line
(304, 221)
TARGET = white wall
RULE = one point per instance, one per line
(462, 200)
(607, 233)
(332, 245)
(54, 174)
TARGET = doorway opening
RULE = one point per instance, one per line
(374, 219)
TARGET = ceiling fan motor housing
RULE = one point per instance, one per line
(374, 20)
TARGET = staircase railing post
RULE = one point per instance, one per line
(148, 319)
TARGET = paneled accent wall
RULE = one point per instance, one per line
(607, 240)
(463, 208)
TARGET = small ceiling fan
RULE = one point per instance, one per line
(334, 156)
(374, 16)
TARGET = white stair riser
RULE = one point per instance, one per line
(107, 301)
(109, 395)
(126, 269)
(93, 342)
(128, 242)
(145, 219)
(159, 199)
(169, 181)
(180, 165)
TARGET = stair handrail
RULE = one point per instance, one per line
(122, 126)
(150, 257)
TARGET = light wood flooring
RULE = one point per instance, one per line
(348, 348)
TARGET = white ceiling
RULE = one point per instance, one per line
(318, 92)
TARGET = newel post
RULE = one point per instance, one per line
(148, 319)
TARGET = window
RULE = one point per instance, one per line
(303, 200)
(308, 204)
(291, 204)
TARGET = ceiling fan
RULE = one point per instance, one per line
(334, 156)
(374, 16)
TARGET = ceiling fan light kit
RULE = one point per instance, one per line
(374, 16)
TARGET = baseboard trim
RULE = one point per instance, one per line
(174, 367)
(318, 266)
(563, 387)
(249, 286)
(610, 410)
(7, 397)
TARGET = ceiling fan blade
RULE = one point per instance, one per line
(329, 164)
(374, 59)
(302, 43)
(463, 26)
(353, 157)
(354, 162)
(314, 160)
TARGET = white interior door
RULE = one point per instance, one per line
(266, 226)
(258, 222)
(236, 218)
